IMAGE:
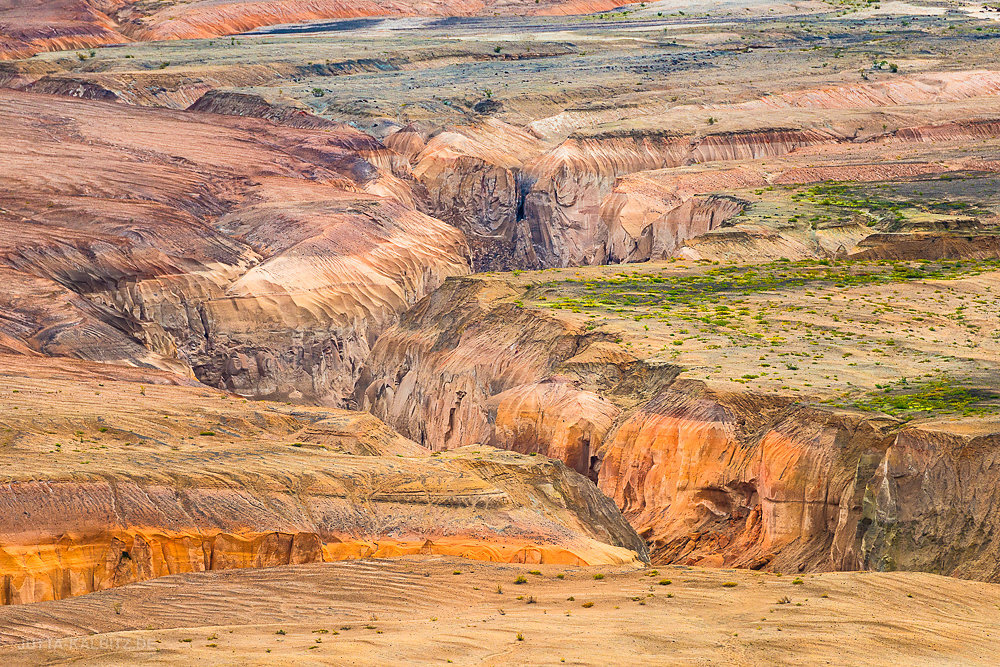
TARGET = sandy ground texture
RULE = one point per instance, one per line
(439, 610)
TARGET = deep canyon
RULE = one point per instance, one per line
(562, 285)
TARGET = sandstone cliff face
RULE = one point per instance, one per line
(553, 417)
(431, 375)
(563, 208)
(678, 211)
(707, 476)
(743, 480)
(910, 524)
(119, 481)
(708, 481)
(473, 176)
(649, 214)
(260, 258)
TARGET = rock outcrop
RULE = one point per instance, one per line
(649, 215)
(431, 376)
(708, 475)
(30, 26)
(553, 417)
(130, 475)
(474, 180)
(255, 106)
(907, 523)
(260, 258)
(407, 141)
(743, 480)
(563, 208)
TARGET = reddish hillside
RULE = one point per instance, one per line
(30, 26)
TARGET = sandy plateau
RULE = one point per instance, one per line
(499, 332)
(432, 610)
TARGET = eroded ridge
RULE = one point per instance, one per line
(133, 474)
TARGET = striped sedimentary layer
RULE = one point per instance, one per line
(115, 476)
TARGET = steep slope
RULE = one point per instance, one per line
(791, 463)
(473, 176)
(131, 475)
(30, 26)
(258, 257)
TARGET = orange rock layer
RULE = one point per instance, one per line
(77, 565)
(708, 477)
(115, 481)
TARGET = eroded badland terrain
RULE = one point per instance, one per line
(499, 333)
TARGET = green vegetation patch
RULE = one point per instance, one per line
(652, 290)
(886, 202)
(910, 400)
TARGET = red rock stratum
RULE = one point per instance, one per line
(52, 25)
(260, 258)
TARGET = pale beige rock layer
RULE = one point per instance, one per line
(707, 475)
(113, 476)
(259, 257)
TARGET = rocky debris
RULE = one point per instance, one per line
(488, 106)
